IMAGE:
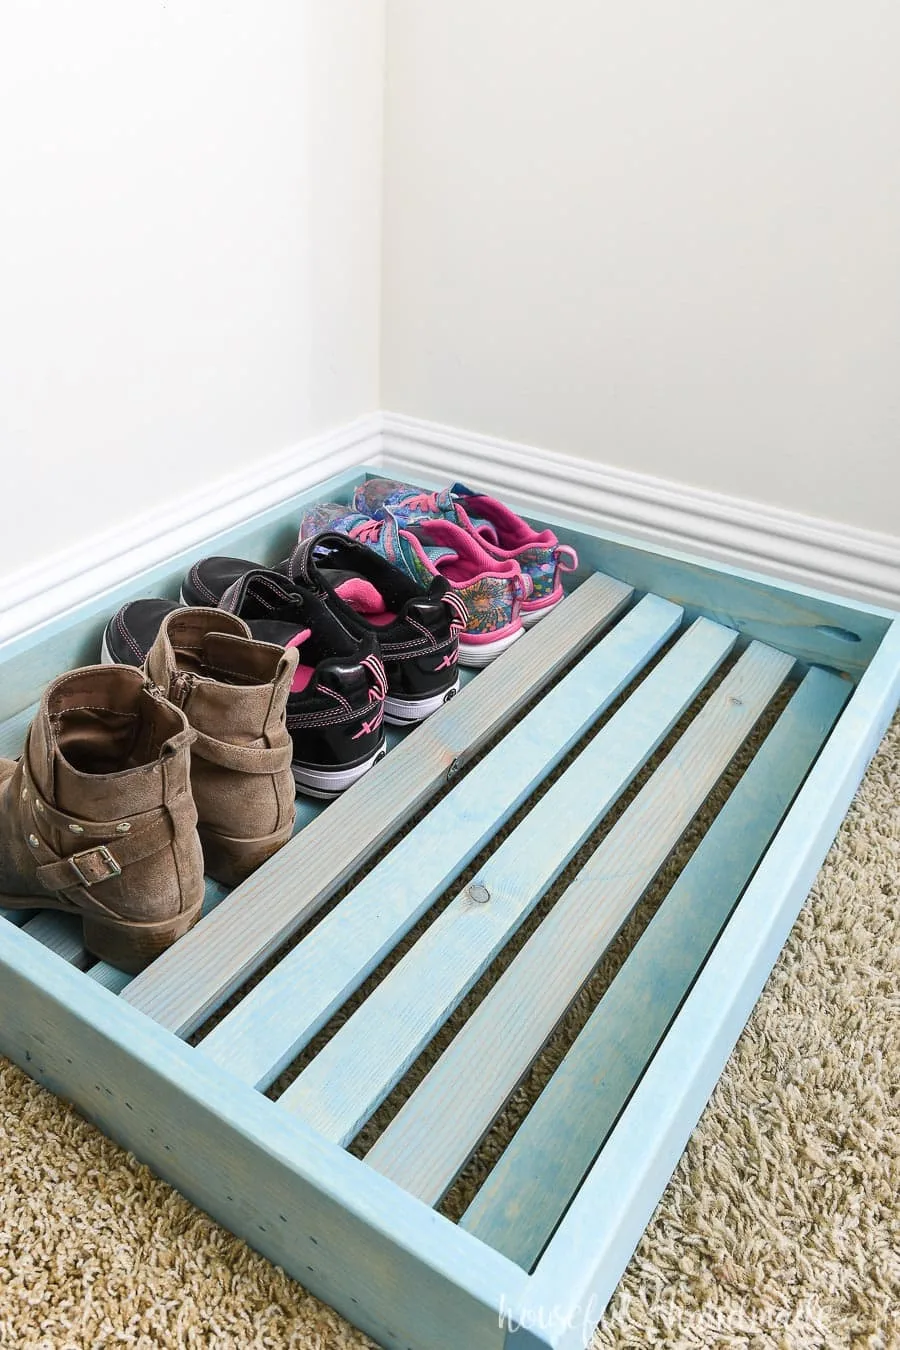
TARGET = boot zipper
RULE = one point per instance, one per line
(180, 687)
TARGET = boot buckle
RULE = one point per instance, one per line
(102, 853)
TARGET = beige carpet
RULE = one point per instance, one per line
(780, 1228)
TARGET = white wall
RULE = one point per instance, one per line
(660, 235)
(190, 203)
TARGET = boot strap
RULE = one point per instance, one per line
(243, 758)
(90, 866)
(43, 813)
(144, 834)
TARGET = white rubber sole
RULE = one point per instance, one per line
(530, 619)
(106, 656)
(404, 712)
(332, 782)
(483, 653)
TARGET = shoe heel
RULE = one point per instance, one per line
(231, 861)
(132, 946)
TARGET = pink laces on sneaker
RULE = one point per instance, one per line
(375, 668)
(377, 694)
(367, 531)
(422, 501)
(458, 610)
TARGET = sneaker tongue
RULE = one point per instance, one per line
(436, 553)
(485, 528)
(359, 593)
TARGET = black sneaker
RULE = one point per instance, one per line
(417, 630)
(131, 632)
(335, 710)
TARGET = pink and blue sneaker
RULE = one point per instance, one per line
(501, 533)
(490, 591)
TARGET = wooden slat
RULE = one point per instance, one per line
(360, 1064)
(400, 1271)
(527, 1192)
(185, 984)
(584, 1260)
(277, 1018)
(61, 933)
(109, 977)
(436, 1130)
(17, 917)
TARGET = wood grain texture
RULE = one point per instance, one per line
(815, 628)
(586, 1256)
(353, 1073)
(277, 1018)
(61, 933)
(404, 1274)
(437, 1128)
(523, 1199)
(206, 965)
(17, 917)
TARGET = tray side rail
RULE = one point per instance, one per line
(584, 1260)
(406, 1276)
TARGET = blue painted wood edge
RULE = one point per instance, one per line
(148, 580)
(592, 1246)
(522, 1200)
(29, 973)
(565, 526)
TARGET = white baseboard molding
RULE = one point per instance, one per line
(66, 578)
(820, 554)
(816, 553)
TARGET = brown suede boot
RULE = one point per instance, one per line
(97, 817)
(234, 693)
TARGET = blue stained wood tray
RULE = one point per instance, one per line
(204, 1064)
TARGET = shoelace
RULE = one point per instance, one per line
(422, 501)
(367, 531)
(460, 615)
(377, 695)
(375, 668)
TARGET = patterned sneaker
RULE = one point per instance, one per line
(502, 533)
(417, 628)
(491, 589)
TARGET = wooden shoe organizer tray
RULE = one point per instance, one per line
(599, 846)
